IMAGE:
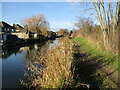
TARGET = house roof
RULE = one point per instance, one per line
(4, 24)
(17, 26)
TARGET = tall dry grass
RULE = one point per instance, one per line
(52, 70)
(95, 37)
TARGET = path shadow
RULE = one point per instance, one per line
(85, 69)
(84, 72)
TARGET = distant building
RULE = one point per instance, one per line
(4, 27)
(18, 27)
(14, 33)
(21, 34)
(5, 32)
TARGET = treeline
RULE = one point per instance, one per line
(106, 34)
(39, 25)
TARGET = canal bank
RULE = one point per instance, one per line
(65, 63)
(24, 42)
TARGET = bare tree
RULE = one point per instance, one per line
(107, 15)
(36, 24)
(84, 23)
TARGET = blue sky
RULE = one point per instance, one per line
(58, 14)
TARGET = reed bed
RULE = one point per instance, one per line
(53, 69)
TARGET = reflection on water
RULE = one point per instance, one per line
(14, 60)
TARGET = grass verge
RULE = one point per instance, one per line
(105, 56)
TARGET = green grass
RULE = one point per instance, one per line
(99, 54)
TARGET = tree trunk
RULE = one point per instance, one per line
(105, 39)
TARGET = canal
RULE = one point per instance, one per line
(15, 59)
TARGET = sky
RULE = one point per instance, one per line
(58, 14)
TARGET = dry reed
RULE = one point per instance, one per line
(52, 70)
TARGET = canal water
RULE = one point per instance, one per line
(15, 59)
